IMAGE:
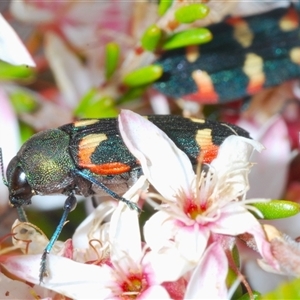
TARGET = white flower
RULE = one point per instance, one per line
(12, 50)
(195, 210)
(125, 272)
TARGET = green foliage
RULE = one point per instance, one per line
(151, 38)
(188, 37)
(94, 105)
(277, 209)
(142, 76)
(288, 290)
(22, 101)
(26, 131)
(191, 13)
(112, 54)
(12, 72)
(163, 6)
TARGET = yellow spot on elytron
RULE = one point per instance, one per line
(253, 66)
(243, 34)
(203, 138)
(192, 53)
(289, 21)
(295, 55)
(85, 122)
(197, 120)
(92, 141)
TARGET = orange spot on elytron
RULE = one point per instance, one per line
(234, 21)
(208, 153)
(113, 168)
(208, 150)
(255, 85)
(87, 147)
(290, 21)
(206, 91)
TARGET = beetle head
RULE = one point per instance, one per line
(20, 191)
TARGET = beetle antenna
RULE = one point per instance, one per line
(2, 168)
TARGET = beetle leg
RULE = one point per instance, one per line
(70, 205)
(21, 214)
(111, 193)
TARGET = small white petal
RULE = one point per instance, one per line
(158, 230)
(124, 232)
(165, 166)
(12, 50)
(9, 138)
(92, 226)
(234, 220)
(208, 280)
(169, 265)
(191, 242)
(269, 175)
(155, 292)
(67, 277)
(14, 289)
(235, 149)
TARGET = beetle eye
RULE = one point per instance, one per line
(20, 189)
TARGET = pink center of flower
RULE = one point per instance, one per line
(193, 210)
(133, 286)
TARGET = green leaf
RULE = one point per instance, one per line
(112, 54)
(191, 13)
(277, 209)
(23, 102)
(26, 131)
(12, 72)
(163, 6)
(288, 290)
(142, 76)
(151, 38)
(94, 105)
(189, 37)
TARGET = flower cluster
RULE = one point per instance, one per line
(188, 241)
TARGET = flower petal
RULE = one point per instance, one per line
(14, 289)
(238, 220)
(72, 279)
(9, 138)
(268, 177)
(124, 232)
(158, 230)
(169, 265)
(235, 149)
(164, 165)
(92, 227)
(12, 50)
(155, 292)
(208, 280)
(191, 242)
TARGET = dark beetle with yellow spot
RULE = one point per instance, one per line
(88, 157)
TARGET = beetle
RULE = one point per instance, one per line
(88, 157)
(245, 56)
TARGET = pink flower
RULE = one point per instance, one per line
(120, 268)
(195, 209)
